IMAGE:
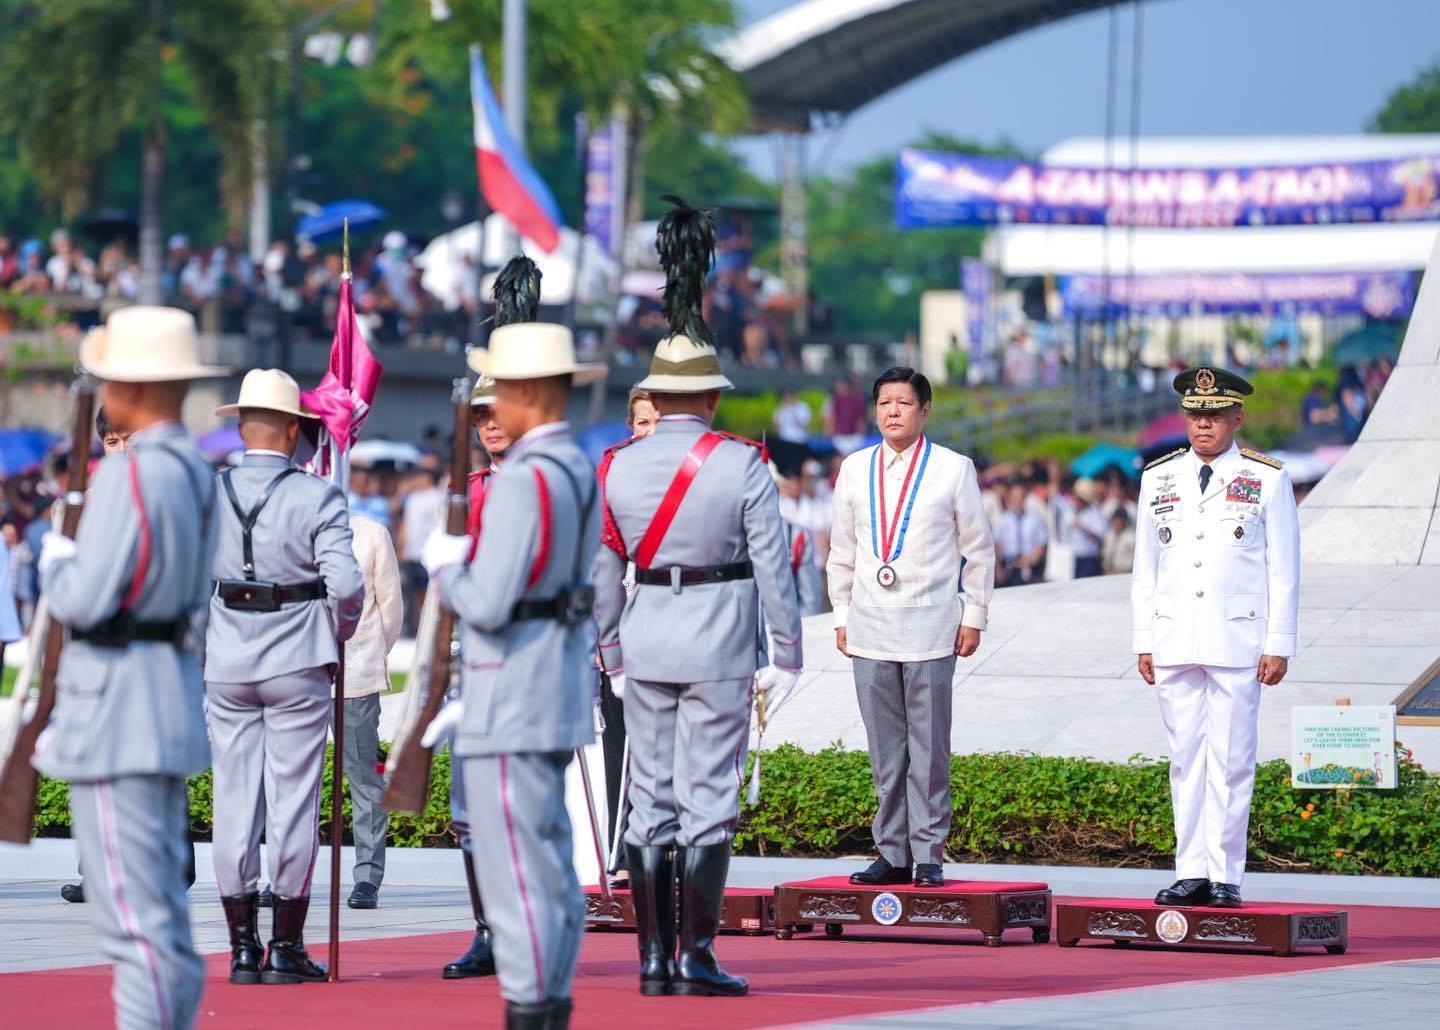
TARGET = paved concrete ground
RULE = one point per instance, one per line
(425, 894)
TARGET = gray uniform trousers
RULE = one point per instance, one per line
(369, 822)
(269, 742)
(132, 832)
(525, 870)
(687, 760)
(906, 710)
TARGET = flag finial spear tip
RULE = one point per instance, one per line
(345, 248)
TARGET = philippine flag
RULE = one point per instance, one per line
(510, 186)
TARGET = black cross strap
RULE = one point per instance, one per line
(247, 521)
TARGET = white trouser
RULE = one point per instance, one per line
(1210, 715)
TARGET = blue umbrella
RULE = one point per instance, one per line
(1102, 456)
(221, 442)
(24, 449)
(329, 221)
(595, 440)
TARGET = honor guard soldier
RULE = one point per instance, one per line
(517, 299)
(528, 679)
(130, 726)
(698, 512)
(479, 958)
(288, 593)
(1214, 597)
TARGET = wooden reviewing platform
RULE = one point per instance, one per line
(990, 908)
(1281, 929)
(749, 910)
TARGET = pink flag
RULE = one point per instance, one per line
(343, 398)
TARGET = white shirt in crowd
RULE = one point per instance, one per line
(367, 653)
(1019, 534)
(917, 619)
(420, 516)
(1091, 525)
(792, 421)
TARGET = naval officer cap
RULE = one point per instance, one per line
(1211, 389)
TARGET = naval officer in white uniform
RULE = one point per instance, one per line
(1215, 596)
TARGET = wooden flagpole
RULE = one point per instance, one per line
(337, 762)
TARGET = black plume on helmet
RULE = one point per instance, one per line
(686, 242)
(517, 291)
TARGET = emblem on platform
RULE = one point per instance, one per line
(1172, 927)
(886, 909)
(1164, 534)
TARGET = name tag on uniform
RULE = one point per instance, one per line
(1243, 490)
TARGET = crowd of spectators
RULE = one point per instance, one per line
(223, 287)
(1348, 405)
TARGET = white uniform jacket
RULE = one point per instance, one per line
(1217, 576)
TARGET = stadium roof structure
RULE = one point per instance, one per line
(828, 57)
(1022, 250)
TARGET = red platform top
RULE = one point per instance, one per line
(730, 892)
(842, 883)
(1254, 908)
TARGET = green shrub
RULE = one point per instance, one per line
(1272, 413)
(1022, 809)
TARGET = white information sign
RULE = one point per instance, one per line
(1343, 746)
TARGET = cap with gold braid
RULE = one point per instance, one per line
(1211, 389)
(686, 360)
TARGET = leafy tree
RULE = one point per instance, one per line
(871, 272)
(1413, 107)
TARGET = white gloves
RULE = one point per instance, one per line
(777, 684)
(442, 550)
(617, 685)
(56, 549)
(442, 728)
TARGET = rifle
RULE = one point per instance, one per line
(19, 780)
(410, 782)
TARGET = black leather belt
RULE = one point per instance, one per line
(693, 577)
(122, 630)
(549, 608)
(301, 592)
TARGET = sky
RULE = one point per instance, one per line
(1209, 67)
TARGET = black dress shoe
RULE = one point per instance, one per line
(1185, 893)
(929, 874)
(1224, 895)
(880, 873)
(365, 895)
(74, 893)
(267, 900)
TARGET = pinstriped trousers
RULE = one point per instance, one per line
(521, 850)
(133, 836)
(906, 710)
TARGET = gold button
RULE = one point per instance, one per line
(1199, 593)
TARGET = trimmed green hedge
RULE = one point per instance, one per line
(1009, 808)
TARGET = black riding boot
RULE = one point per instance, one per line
(702, 892)
(480, 959)
(553, 1014)
(288, 962)
(652, 888)
(246, 953)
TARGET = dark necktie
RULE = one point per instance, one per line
(1205, 473)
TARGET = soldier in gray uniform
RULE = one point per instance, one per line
(528, 679)
(289, 592)
(129, 724)
(704, 569)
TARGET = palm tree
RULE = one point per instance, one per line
(77, 74)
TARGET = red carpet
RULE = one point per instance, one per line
(396, 983)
